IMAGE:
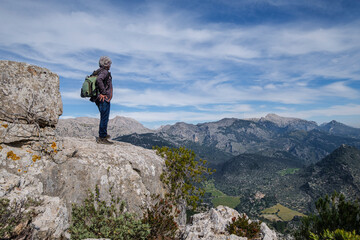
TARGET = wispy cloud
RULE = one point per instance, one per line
(170, 56)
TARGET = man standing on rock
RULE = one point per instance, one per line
(104, 86)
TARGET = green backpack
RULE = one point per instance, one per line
(89, 88)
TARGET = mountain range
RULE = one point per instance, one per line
(87, 127)
(219, 141)
(303, 140)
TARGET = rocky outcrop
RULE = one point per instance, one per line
(211, 225)
(35, 165)
(30, 102)
(64, 177)
(87, 127)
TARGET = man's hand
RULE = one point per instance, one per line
(102, 97)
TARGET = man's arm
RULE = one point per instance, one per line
(100, 82)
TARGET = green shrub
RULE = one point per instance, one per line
(241, 227)
(96, 219)
(335, 213)
(15, 218)
(183, 174)
(161, 219)
(338, 234)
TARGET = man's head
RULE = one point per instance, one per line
(105, 62)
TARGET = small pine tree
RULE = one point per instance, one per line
(161, 219)
(241, 227)
(183, 174)
(333, 213)
(338, 234)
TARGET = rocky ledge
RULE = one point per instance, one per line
(74, 167)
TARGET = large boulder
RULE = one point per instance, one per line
(211, 225)
(37, 166)
(30, 102)
(74, 166)
(51, 214)
(132, 172)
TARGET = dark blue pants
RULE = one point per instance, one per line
(104, 109)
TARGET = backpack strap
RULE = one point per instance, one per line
(96, 72)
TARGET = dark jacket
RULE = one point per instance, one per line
(104, 83)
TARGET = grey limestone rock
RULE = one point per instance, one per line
(30, 102)
(78, 165)
(35, 164)
(52, 218)
(212, 225)
(132, 172)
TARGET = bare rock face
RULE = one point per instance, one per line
(52, 217)
(132, 172)
(37, 166)
(291, 123)
(64, 176)
(212, 225)
(30, 102)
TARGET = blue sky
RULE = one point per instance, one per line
(196, 61)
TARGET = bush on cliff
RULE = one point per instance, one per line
(15, 218)
(338, 234)
(97, 219)
(241, 227)
(161, 219)
(183, 174)
(334, 213)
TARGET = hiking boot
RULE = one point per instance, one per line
(103, 141)
(108, 136)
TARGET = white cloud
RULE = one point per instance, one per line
(199, 95)
(340, 89)
(172, 59)
(72, 95)
(336, 110)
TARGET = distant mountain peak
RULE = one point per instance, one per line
(274, 117)
(333, 122)
(289, 122)
(344, 153)
(340, 129)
